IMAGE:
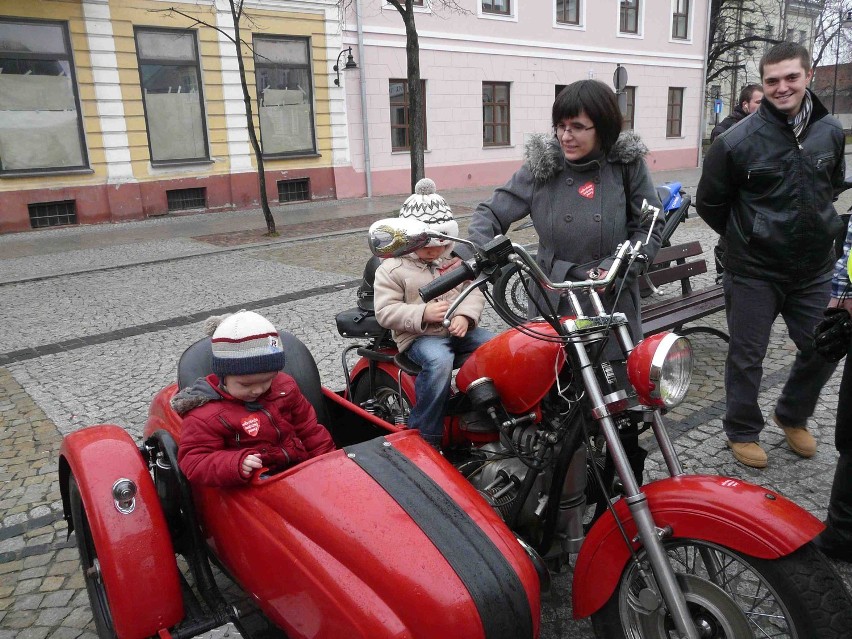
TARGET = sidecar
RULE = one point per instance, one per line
(380, 538)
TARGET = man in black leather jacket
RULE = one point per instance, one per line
(768, 187)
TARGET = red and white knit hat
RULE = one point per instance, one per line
(244, 343)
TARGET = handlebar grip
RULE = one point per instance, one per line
(447, 282)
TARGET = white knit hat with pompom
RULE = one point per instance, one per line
(427, 206)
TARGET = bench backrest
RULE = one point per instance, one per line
(197, 361)
(671, 265)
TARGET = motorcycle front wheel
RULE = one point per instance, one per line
(384, 401)
(732, 596)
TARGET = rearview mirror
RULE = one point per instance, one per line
(395, 236)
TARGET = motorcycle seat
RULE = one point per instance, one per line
(358, 322)
(406, 364)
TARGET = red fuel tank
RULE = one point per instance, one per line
(522, 367)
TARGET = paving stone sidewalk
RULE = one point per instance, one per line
(95, 346)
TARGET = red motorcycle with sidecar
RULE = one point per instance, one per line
(547, 429)
(381, 538)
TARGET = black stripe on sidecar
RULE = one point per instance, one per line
(490, 579)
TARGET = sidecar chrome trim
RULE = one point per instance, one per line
(492, 582)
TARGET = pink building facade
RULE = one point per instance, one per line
(491, 75)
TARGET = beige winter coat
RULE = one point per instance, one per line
(398, 303)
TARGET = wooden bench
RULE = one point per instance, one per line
(672, 264)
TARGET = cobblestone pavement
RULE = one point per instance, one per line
(94, 346)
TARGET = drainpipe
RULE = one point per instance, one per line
(365, 125)
(702, 125)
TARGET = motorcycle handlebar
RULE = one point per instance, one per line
(447, 282)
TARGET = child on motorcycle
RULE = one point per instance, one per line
(247, 414)
(417, 326)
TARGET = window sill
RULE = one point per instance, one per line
(168, 164)
(292, 157)
(408, 151)
(45, 173)
(498, 146)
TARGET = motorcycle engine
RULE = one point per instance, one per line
(498, 478)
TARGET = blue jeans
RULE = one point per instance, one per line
(437, 356)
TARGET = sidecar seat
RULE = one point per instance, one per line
(197, 361)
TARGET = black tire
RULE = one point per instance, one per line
(386, 402)
(89, 563)
(510, 295)
(799, 596)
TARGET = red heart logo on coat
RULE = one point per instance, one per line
(251, 425)
(587, 190)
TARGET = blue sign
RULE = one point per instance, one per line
(717, 106)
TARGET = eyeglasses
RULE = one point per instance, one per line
(574, 129)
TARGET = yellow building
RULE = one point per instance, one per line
(123, 109)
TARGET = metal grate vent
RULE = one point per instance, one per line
(294, 190)
(183, 199)
(46, 214)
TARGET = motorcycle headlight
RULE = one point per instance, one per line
(660, 369)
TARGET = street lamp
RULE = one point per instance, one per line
(350, 64)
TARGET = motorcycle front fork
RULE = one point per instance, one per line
(650, 536)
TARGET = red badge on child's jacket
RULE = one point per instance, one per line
(587, 190)
(251, 425)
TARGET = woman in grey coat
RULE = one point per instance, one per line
(583, 189)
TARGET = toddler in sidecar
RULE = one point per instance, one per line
(417, 326)
(247, 414)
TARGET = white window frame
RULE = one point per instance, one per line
(640, 21)
(512, 17)
(581, 14)
(689, 19)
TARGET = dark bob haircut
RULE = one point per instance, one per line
(598, 102)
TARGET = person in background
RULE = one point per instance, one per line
(751, 96)
(836, 540)
(768, 186)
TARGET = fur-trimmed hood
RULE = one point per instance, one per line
(200, 393)
(544, 157)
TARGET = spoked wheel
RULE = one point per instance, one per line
(731, 596)
(511, 294)
(385, 401)
(90, 564)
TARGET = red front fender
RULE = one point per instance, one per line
(749, 519)
(135, 552)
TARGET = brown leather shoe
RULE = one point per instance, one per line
(799, 439)
(749, 453)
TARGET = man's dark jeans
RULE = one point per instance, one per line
(751, 306)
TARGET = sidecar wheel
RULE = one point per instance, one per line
(388, 405)
(799, 596)
(89, 563)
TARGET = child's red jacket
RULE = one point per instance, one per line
(220, 431)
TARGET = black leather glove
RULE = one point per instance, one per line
(833, 334)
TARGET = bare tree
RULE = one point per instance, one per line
(416, 114)
(738, 29)
(831, 36)
(237, 14)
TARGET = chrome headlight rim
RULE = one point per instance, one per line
(658, 361)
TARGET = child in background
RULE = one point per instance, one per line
(247, 414)
(417, 326)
